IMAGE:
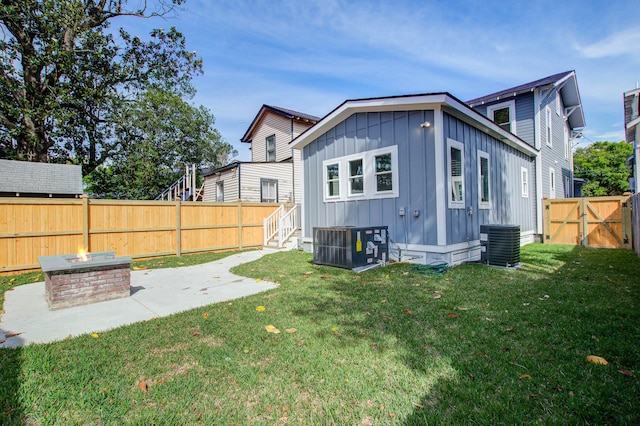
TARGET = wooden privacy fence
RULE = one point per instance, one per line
(592, 222)
(32, 227)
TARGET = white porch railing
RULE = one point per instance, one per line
(281, 224)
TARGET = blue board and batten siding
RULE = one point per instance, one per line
(418, 180)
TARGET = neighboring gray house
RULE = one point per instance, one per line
(274, 172)
(632, 133)
(546, 114)
(27, 179)
(428, 166)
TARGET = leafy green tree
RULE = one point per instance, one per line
(159, 134)
(604, 166)
(65, 77)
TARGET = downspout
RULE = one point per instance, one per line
(293, 167)
(538, 145)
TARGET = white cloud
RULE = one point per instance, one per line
(621, 43)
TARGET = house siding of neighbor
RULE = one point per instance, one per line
(420, 165)
(274, 166)
(632, 132)
(548, 116)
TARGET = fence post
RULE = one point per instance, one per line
(178, 229)
(85, 222)
(582, 213)
(240, 225)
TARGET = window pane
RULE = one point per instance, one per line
(383, 163)
(356, 180)
(456, 175)
(333, 188)
(384, 182)
(332, 172)
(484, 179)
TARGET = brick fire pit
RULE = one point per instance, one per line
(71, 281)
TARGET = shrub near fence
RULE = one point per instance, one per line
(32, 227)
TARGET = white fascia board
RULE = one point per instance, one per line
(633, 123)
(411, 103)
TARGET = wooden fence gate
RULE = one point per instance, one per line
(591, 222)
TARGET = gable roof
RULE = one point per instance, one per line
(40, 178)
(445, 100)
(284, 112)
(565, 82)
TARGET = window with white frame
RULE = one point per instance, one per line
(548, 126)
(552, 183)
(558, 104)
(220, 191)
(356, 177)
(369, 174)
(567, 148)
(484, 179)
(332, 180)
(567, 187)
(268, 190)
(455, 163)
(271, 148)
(524, 181)
(504, 115)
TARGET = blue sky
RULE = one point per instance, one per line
(311, 55)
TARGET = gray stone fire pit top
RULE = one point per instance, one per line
(72, 261)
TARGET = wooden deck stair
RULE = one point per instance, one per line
(184, 189)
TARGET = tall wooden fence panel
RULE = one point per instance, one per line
(32, 227)
(592, 222)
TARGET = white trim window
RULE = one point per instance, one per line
(504, 115)
(268, 190)
(524, 182)
(356, 176)
(558, 104)
(220, 191)
(552, 182)
(455, 169)
(549, 130)
(566, 141)
(332, 180)
(567, 187)
(271, 148)
(484, 180)
(366, 175)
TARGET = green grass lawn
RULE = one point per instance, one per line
(393, 345)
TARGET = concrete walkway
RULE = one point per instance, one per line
(154, 293)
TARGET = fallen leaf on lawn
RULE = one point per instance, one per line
(325, 276)
(405, 273)
(95, 335)
(417, 285)
(525, 377)
(10, 335)
(180, 263)
(205, 315)
(546, 296)
(626, 372)
(334, 329)
(2, 341)
(437, 296)
(452, 315)
(216, 276)
(383, 301)
(258, 280)
(387, 276)
(408, 311)
(12, 280)
(143, 386)
(597, 360)
(291, 330)
(260, 308)
(300, 343)
(308, 273)
(305, 276)
(104, 389)
(139, 268)
(462, 309)
(272, 329)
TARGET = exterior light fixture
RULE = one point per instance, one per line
(426, 124)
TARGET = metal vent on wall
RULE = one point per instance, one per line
(501, 245)
(351, 247)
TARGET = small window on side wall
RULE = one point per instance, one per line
(549, 132)
(484, 181)
(271, 148)
(220, 191)
(504, 115)
(384, 173)
(524, 182)
(455, 157)
(332, 178)
(552, 183)
(268, 190)
(356, 177)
